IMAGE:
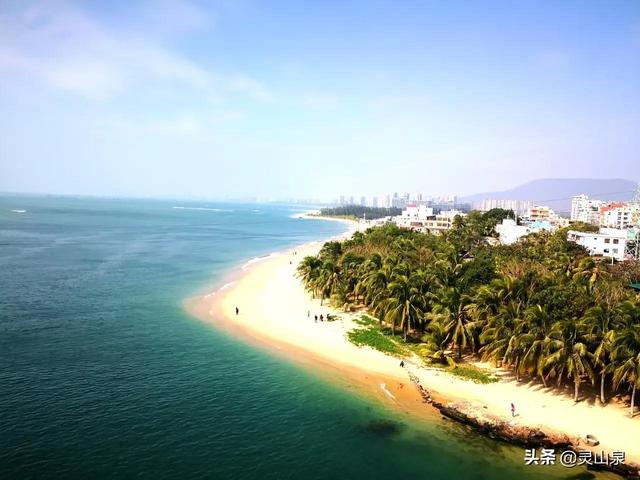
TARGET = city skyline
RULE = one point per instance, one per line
(273, 100)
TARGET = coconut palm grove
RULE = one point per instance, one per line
(542, 307)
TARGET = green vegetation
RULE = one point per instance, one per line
(541, 307)
(371, 333)
(358, 211)
(372, 336)
(473, 373)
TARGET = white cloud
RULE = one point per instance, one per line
(182, 125)
(250, 87)
(320, 100)
(65, 48)
(89, 78)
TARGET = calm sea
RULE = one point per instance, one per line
(103, 375)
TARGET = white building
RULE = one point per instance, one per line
(413, 216)
(585, 209)
(510, 232)
(608, 242)
(422, 218)
(620, 215)
(520, 207)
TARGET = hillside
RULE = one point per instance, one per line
(557, 192)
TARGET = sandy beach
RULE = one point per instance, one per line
(275, 311)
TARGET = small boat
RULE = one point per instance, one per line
(591, 440)
(19, 211)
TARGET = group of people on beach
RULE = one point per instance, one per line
(316, 317)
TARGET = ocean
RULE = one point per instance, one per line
(104, 375)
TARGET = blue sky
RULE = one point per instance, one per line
(315, 99)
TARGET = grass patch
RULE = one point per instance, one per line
(366, 320)
(370, 334)
(470, 372)
(341, 217)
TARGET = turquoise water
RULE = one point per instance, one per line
(104, 376)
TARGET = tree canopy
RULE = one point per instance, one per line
(541, 307)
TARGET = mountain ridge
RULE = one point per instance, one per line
(557, 192)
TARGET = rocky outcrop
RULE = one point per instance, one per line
(499, 429)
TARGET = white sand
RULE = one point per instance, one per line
(273, 306)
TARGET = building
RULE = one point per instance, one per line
(519, 207)
(620, 215)
(510, 232)
(422, 218)
(445, 202)
(608, 242)
(413, 216)
(441, 222)
(585, 209)
(397, 201)
(540, 213)
(605, 214)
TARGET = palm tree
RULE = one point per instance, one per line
(599, 320)
(495, 338)
(435, 342)
(567, 356)
(373, 285)
(328, 279)
(404, 306)
(308, 270)
(588, 272)
(626, 351)
(534, 340)
(448, 306)
(350, 265)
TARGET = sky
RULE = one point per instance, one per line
(279, 99)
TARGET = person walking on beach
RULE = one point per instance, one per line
(316, 317)
(237, 310)
(321, 318)
(401, 363)
(308, 313)
(513, 410)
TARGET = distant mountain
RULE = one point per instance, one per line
(557, 192)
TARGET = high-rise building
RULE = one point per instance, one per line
(519, 207)
(585, 209)
(620, 215)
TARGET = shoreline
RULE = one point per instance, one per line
(273, 314)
